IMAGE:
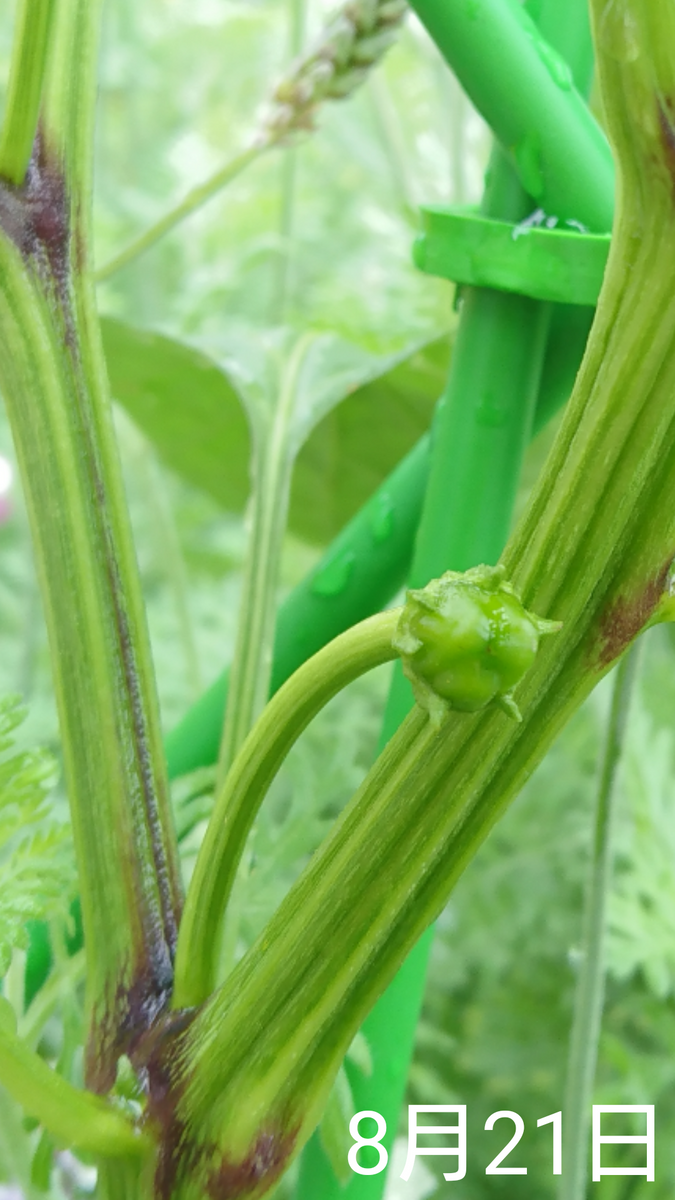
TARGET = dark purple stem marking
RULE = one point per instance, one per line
(626, 616)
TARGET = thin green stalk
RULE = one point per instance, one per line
(75, 1118)
(15, 1147)
(273, 455)
(309, 618)
(63, 980)
(14, 983)
(358, 650)
(607, 498)
(289, 174)
(24, 91)
(193, 201)
(589, 1000)
(392, 141)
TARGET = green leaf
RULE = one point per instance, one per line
(185, 404)
(189, 407)
(360, 442)
(37, 876)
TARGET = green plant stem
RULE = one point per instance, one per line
(54, 384)
(356, 651)
(523, 89)
(63, 981)
(474, 472)
(24, 92)
(392, 141)
(14, 983)
(123, 1179)
(74, 1117)
(309, 618)
(15, 1151)
(273, 456)
(588, 1005)
(194, 200)
(289, 173)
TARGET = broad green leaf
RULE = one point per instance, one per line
(190, 408)
(360, 442)
(186, 406)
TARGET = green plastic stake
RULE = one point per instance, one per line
(533, 260)
(526, 92)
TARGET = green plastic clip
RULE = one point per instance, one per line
(538, 258)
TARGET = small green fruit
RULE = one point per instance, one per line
(465, 640)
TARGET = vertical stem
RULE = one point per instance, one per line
(53, 379)
(252, 662)
(283, 289)
(15, 1147)
(583, 1049)
(26, 77)
(392, 140)
(289, 176)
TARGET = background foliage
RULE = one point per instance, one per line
(318, 238)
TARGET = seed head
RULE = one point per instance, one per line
(353, 41)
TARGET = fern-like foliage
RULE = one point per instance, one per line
(37, 873)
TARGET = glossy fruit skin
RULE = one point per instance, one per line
(466, 641)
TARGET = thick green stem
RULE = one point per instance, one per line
(594, 550)
(54, 384)
(358, 650)
(583, 1050)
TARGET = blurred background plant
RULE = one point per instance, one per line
(316, 237)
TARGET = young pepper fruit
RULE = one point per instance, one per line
(465, 640)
